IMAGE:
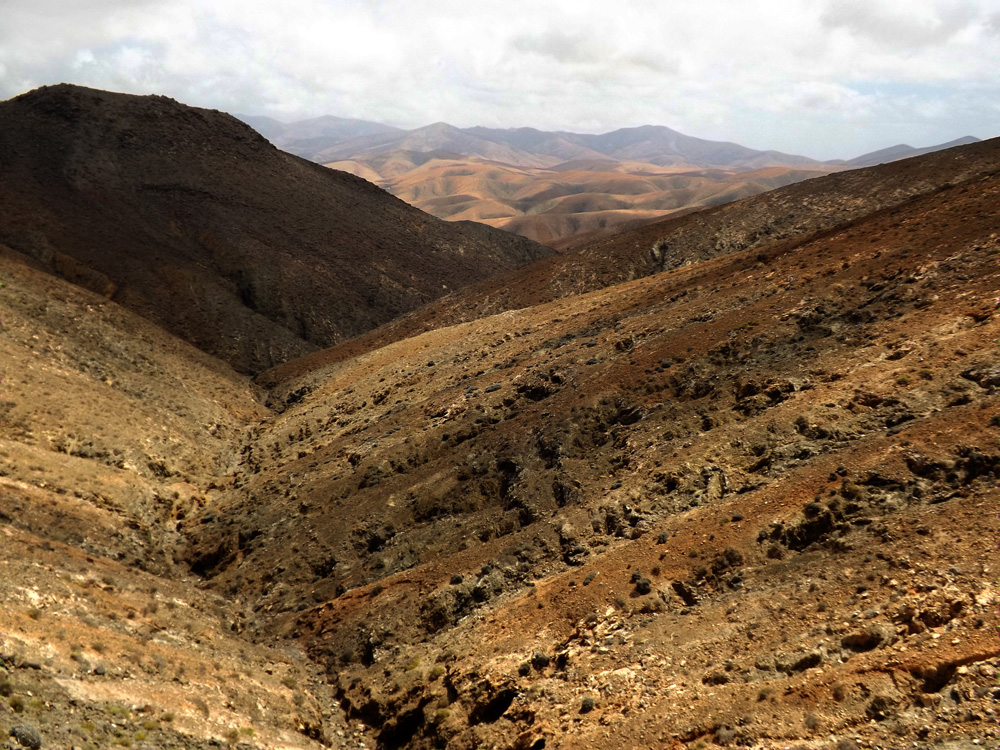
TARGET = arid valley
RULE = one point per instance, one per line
(286, 462)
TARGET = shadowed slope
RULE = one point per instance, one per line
(192, 219)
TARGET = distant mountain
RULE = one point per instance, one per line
(437, 137)
(327, 139)
(558, 187)
(306, 138)
(565, 204)
(527, 147)
(665, 147)
(901, 151)
(192, 219)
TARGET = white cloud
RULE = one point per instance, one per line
(830, 78)
(898, 24)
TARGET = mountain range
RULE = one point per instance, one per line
(558, 188)
(717, 481)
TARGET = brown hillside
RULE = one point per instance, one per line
(561, 204)
(742, 500)
(190, 218)
(111, 432)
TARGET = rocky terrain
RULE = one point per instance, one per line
(111, 431)
(192, 219)
(726, 481)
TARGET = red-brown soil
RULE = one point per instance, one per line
(793, 444)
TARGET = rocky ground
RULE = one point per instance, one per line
(746, 502)
(111, 432)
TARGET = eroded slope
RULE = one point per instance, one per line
(747, 499)
(111, 432)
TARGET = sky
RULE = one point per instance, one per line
(822, 78)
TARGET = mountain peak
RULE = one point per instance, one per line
(438, 127)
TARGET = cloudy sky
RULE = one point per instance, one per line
(824, 78)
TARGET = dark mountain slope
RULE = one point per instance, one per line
(192, 219)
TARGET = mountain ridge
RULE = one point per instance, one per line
(902, 151)
(654, 144)
(338, 141)
(190, 217)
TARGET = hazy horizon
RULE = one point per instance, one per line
(292, 121)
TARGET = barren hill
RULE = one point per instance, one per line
(561, 188)
(195, 221)
(727, 481)
(560, 205)
(111, 431)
